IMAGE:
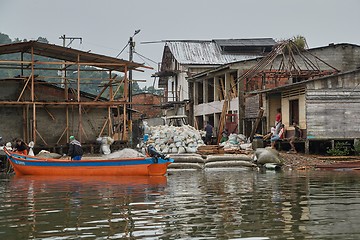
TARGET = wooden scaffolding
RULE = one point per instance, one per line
(37, 63)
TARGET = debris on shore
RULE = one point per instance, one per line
(301, 161)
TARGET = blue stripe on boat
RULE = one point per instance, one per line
(83, 163)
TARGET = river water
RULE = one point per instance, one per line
(211, 204)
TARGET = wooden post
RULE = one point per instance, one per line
(24, 123)
(79, 98)
(34, 123)
(125, 136)
(78, 78)
(32, 95)
(32, 74)
(258, 118)
(109, 122)
(241, 99)
(80, 123)
(118, 122)
(67, 122)
(307, 146)
(223, 117)
(109, 108)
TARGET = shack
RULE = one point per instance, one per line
(326, 108)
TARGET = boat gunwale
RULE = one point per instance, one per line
(143, 166)
(26, 158)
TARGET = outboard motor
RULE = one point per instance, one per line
(155, 154)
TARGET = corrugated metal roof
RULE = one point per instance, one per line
(254, 42)
(203, 52)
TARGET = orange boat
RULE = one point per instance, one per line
(139, 166)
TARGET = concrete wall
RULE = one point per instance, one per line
(273, 103)
(11, 91)
(285, 107)
(11, 123)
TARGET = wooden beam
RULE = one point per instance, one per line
(99, 104)
(118, 88)
(253, 130)
(109, 122)
(241, 98)
(103, 127)
(61, 136)
(34, 123)
(222, 87)
(23, 90)
(41, 137)
(32, 75)
(46, 109)
(223, 117)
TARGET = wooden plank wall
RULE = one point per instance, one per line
(252, 106)
(333, 107)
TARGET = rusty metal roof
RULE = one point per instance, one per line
(210, 52)
(69, 54)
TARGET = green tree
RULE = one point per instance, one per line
(4, 39)
(136, 88)
(42, 40)
(300, 42)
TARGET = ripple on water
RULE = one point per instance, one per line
(214, 204)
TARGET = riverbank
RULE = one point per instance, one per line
(292, 161)
(301, 161)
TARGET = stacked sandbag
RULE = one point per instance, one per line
(228, 160)
(235, 141)
(171, 139)
(267, 155)
(186, 161)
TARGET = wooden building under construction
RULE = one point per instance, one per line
(44, 94)
(244, 89)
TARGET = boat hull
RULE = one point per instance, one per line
(345, 165)
(27, 165)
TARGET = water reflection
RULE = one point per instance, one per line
(213, 204)
(40, 207)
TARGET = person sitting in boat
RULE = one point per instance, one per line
(75, 149)
(20, 146)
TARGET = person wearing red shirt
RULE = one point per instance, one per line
(278, 120)
(278, 136)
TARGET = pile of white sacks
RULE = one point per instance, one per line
(236, 141)
(171, 139)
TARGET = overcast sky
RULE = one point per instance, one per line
(105, 26)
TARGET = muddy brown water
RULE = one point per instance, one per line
(210, 204)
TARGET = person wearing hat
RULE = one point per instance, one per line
(75, 149)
